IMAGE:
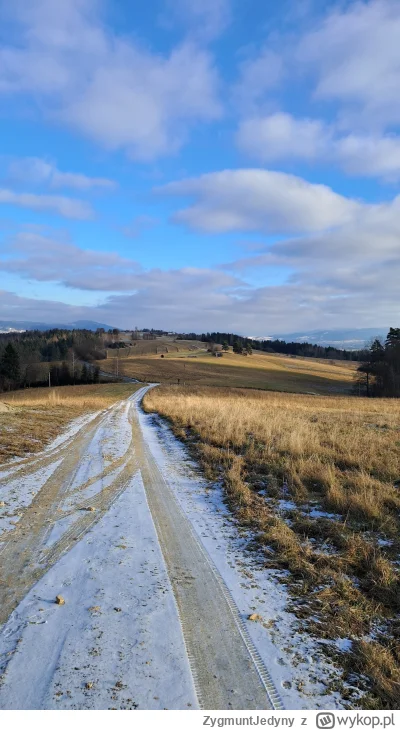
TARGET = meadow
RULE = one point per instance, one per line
(259, 371)
(316, 480)
(31, 418)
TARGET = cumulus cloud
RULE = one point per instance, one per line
(281, 136)
(370, 156)
(66, 207)
(36, 171)
(354, 54)
(260, 200)
(349, 57)
(82, 73)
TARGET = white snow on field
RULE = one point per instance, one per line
(117, 641)
(72, 429)
(300, 672)
(18, 494)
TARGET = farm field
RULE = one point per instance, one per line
(260, 371)
(316, 481)
(30, 419)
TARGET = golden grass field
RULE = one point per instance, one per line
(281, 456)
(260, 371)
(37, 415)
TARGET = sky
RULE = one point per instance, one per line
(198, 165)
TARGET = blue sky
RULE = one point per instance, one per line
(200, 164)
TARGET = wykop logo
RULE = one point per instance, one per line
(325, 720)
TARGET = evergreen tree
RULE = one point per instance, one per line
(379, 375)
(393, 337)
(10, 368)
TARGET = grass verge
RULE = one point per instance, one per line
(316, 479)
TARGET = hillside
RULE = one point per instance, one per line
(176, 362)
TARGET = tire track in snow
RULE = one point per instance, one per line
(23, 557)
(228, 671)
(36, 462)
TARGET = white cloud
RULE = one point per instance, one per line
(370, 156)
(352, 57)
(106, 86)
(281, 136)
(260, 200)
(257, 77)
(355, 56)
(67, 207)
(42, 172)
(39, 257)
(156, 98)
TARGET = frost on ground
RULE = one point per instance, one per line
(117, 642)
(87, 531)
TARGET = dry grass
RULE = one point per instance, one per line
(259, 371)
(332, 453)
(38, 415)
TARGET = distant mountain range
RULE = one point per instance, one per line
(82, 324)
(344, 339)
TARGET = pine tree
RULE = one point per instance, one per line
(393, 337)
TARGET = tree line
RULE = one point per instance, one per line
(298, 349)
(14, 376)
(379, 374)
(22, 356)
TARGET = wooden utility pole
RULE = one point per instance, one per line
(49, 380)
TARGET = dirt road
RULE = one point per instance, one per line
(61, 504)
